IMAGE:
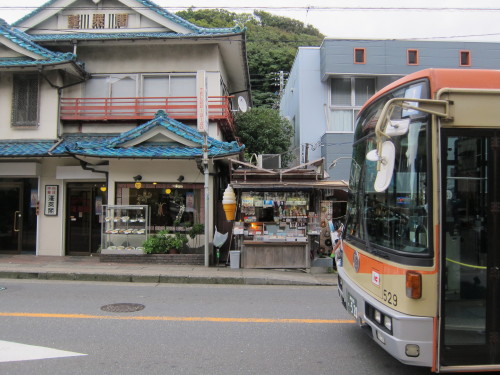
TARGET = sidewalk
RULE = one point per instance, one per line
(86, 268)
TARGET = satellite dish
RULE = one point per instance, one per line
(384, 175)
(242, 104)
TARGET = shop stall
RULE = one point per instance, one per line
(279, 221)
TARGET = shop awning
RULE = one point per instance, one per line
(302, 185)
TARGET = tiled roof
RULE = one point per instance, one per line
(159, 10)
(120, 35)
(110, 145)
(25, 148)
(25, 41)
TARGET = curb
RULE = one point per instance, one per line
(158, 279)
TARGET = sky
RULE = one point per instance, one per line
(457, 20)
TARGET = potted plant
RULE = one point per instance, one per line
(164, 242)
(176, 242)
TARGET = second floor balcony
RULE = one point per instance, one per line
(145, 108)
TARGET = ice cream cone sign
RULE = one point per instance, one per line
(229, 203)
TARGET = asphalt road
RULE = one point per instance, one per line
(182, 329)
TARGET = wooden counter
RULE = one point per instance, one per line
(256, 254)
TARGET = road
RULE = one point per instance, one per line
(182, 329)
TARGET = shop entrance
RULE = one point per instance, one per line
(471, 303)
(18, 216)
(83, 218)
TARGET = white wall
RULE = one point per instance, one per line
(48, 110)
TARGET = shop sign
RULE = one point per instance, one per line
(246, 201)
(268, 203)
(51, 200)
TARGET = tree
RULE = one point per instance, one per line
(272, 43)
(264, 131)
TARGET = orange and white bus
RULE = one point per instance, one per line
(420, 263)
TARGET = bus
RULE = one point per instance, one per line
(419, 267)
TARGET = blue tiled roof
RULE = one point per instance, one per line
(25, 148)
(120, 35)
(159, 10)
(25, 41)
(110, 145)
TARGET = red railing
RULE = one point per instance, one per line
(105, 109)
(120, 109)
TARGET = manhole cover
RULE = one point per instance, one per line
(123, 307)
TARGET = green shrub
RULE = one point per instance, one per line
(162, 242)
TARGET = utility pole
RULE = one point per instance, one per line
(282, 81)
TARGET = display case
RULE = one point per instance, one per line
(124, 229)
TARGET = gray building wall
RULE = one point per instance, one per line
(306, 97)
(390, 56)
(303, 104)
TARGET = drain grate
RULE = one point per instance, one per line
(123, 307)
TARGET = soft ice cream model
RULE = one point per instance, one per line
(229, 203)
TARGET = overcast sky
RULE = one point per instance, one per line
(477, 20)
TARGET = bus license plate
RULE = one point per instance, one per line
(352, 305)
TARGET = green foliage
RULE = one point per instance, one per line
(163, 241)
(195, 230)
(271, 48)
(264, 131)
(214, 17)
(272, 43)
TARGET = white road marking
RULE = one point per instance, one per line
(12, 351)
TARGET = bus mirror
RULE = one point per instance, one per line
(385, 166)
(397, 127)
(372, 155)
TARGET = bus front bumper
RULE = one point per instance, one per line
(410, 339)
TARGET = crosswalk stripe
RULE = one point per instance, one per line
(13, 351)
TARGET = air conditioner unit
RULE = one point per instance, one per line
(269, 161)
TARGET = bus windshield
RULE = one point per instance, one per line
(396, 219)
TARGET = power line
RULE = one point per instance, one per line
(275, 8)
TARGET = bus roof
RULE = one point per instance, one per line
(451, 78)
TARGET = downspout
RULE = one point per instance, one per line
(88, 167)
(59, 93)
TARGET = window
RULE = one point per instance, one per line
(465, 58)
(173, 207)
(98, 21)
(25, 100)
(347, 96)
(359, 56)
(412, 56)
(394, 220)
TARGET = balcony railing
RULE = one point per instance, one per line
(119, 109)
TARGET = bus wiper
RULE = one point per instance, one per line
(379, 253)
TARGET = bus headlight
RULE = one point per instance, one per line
(377, 315)
(388, 322)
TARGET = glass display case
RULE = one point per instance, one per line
(124, 228)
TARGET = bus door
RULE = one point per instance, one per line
(470, 227)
